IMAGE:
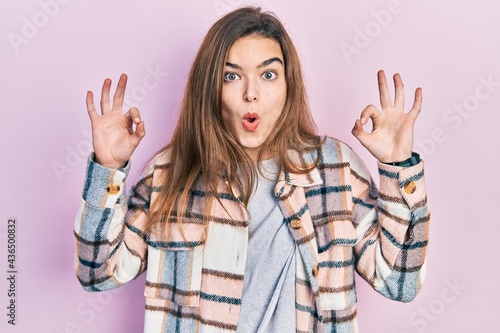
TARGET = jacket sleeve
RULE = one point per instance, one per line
(110, 246)
(392, 228)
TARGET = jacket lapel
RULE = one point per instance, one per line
(290, 191)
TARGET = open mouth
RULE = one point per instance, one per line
(251, 121)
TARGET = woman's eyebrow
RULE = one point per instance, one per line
(228, 64)
(270, 61)
(263, 64)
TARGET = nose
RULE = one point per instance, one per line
(251, 93)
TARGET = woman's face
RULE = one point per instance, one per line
(254, 90)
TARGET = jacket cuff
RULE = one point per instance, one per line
(104, 187)
(413, 160)
(405, 182)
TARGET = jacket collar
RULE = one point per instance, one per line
(307, 179)
(287, 179)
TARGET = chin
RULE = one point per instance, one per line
(250, 143)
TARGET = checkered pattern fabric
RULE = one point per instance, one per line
(194, 278)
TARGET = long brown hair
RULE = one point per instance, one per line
(202, 146)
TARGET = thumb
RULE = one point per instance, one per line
(358, 130)
(361, 134)
(139, 133)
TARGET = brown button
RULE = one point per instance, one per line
(410, 187)
(315, 271)
(113, 189)
(296, 224)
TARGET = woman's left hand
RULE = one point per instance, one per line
(391, 139)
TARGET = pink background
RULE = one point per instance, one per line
(52, 51)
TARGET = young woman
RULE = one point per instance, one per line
(248, 221)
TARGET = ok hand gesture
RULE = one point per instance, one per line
(391, 138)
(113, 136)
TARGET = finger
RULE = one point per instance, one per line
(399, 99)
(90, 106)
(140, 132)
(417, 104)
(370, 111)
(105, 96)
(358, 130)
(133, 115)
(385, 96)
(120, 93)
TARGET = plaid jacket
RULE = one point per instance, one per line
(340, 222)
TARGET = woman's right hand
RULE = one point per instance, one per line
(113, 135)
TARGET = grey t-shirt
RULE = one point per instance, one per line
(269, 284)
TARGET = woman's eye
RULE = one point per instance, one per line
(231, 76)
(269, 75)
